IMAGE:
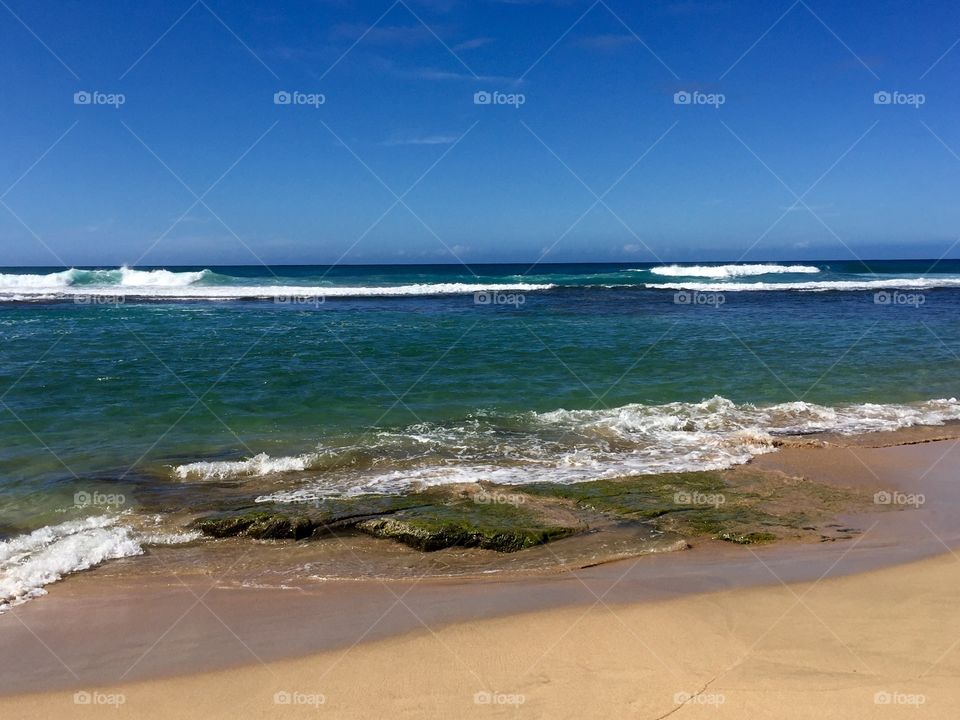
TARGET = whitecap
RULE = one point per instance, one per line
(728, 271)
(569, 446)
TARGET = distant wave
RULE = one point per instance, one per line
(199, 285)
(123, 277)
(814, 286)
(207, 285)
(565, 446)
(728, 271)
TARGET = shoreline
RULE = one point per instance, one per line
(141, 625)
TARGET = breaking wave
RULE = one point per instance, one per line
(32, 561)
(729, 271)
(565, 446)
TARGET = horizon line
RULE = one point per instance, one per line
(531, 264)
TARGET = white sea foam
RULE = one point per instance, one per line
(30, 562)
(728, 271)
(160, 278)
(903, 283)
(76, 278)
(44, 283)
(261, 464)
(169, 538)
(567, 446)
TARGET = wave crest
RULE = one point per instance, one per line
(258, 465)
(814, 286)
(729, 271)
(161, 278)
(123, 277)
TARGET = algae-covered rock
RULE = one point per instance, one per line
(262, 525)
(743, 507)
(429, 520)
(226, 525)
(428, 532)
(280, 521)
(278, 527)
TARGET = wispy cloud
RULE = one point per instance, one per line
(420, 140)
(819, 209)
(472, 44)
(426, 73)
(610, 41)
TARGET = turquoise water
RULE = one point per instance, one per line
(173, 378)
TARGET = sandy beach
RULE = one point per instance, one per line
(863, 627)
(878, 644)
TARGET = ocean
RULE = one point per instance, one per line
(128, 391)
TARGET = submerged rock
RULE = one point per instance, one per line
(472, 516)
(742, 506)
(427, 534)
(427, 521)
(260, 525)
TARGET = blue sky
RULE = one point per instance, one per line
(104, 184)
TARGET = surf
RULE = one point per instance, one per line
(565, 446)
(728, 271)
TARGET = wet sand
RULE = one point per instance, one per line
(879, 644)
(883, 596)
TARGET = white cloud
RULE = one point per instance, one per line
(421, 140)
